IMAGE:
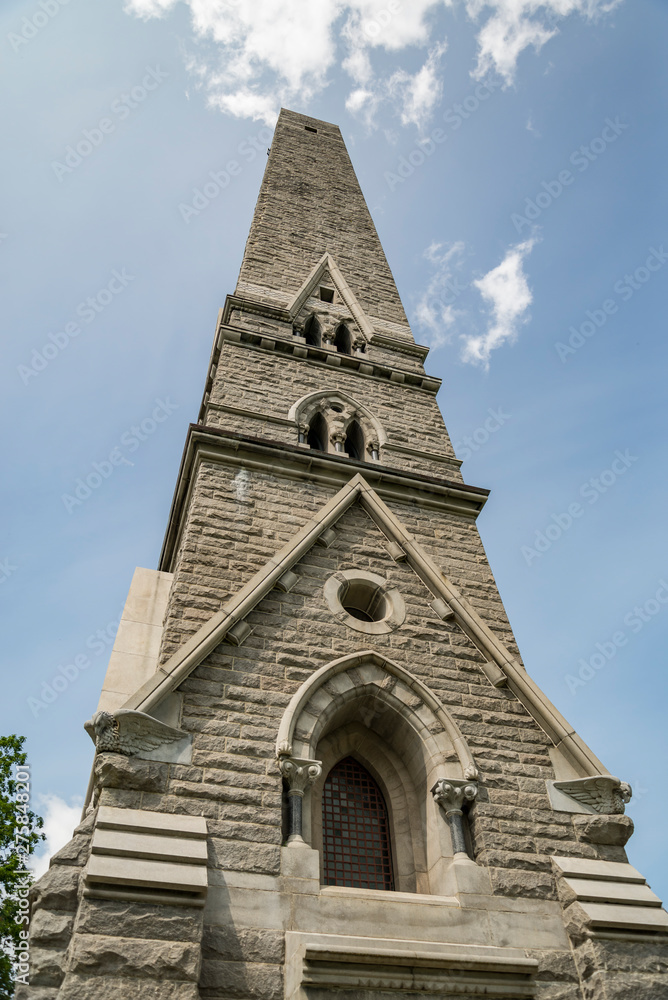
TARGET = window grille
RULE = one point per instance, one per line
(355, 829)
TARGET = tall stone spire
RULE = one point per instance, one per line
(311, 203)
(321, 766)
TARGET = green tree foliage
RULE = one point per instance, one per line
(19, 835)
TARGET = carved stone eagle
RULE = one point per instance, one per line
(603, 793)
(130, 733)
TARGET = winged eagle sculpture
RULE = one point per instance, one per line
(130, 733)
(603, 793)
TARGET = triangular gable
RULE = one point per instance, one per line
(327, 264)
(497, 657)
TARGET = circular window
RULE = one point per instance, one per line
(364, 601)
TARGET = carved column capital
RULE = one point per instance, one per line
(299, 773)
(337, 439)
(453, 793)
(303, 429)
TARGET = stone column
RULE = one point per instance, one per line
(337, 439)
(452, 794)
(303, 429)
(300, 775)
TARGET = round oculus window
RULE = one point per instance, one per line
(364, 601)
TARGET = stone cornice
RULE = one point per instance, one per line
(294, 462)
(320, 356)
(271, 418)
(395, 344)
(262, 307)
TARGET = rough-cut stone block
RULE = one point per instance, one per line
(116, 771)
(50, 928)
(612, 830)
(78, 987)
(47, 966)
(141, 958)
(57, 888)
(139, 920)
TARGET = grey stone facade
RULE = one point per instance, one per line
(512, 880)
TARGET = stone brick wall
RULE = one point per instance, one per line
(234, 700)
(310, 203)
(269, 384)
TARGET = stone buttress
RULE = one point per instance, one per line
(324, 607)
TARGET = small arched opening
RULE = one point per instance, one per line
(354, 443)
(342, 340)
(312, 332)
(317, 433)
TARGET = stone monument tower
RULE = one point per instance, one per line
(321, 768)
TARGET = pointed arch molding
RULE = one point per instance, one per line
(368, 671)
(311, 400)
(327, 263)
(181, 664)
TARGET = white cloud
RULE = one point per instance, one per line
(435, 312)
(506, 292)
(252, 56)
(60, 820)
(418, 94)
(514, 25)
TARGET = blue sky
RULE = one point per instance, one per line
(526, 227)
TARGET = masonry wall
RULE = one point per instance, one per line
(239, 518)
(233, 703)
(267, 384)
(310, 203)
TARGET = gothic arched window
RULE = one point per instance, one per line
(342, 340)
(317, 434)
(312, 332)
(354, 443)
(355, 829)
